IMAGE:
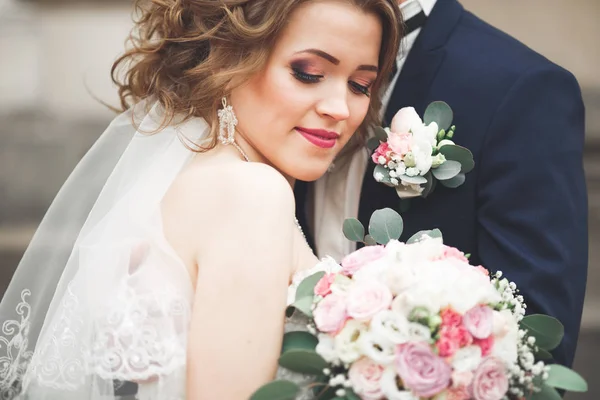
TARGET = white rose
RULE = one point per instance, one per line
(506, 347)
(405, 120)
(346, 343)
(391, 327)
(422, 150)
(390, 389)
(325, 348)
(427, 133)
(467, 359)
(377, 348)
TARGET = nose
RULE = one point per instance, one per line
(335, 104)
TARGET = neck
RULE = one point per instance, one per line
(255, 156)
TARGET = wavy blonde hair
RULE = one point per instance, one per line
(186, 53)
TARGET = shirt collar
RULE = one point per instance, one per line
(411, 8)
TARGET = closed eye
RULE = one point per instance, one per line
(304, 77)
(360, 89)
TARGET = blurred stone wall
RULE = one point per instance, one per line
(55, 54)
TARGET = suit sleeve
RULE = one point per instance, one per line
(532, 198)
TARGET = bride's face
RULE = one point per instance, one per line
(313, 94)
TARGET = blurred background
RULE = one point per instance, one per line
(54, 53)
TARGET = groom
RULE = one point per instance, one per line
(523, 209)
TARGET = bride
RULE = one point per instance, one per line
(164, 261)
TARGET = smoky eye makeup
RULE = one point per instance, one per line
(305, 71)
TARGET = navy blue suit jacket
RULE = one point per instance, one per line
(523, 209)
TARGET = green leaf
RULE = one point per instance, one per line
(448, 170)
(429, 185)
(562, 377)
(416, 180)
(307, 286)
(458, 153)
(369, 241)
(380, 134)
(380, 169)
(547, 393)
(298, 340)
(455, 182)
(542, 354)
(373, 143)
(303, 361)
(548, 331)
(435, 233)
(353, 230)
(277, 390)
(350, 395)
(439, 112)
(304, 305)
(385, 225)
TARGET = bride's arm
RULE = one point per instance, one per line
(244, 265)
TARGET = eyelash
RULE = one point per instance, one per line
(310, 78)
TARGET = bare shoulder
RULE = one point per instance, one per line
(249, 195)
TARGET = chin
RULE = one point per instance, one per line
(309, 174)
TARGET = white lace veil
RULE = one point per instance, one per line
(68, 316)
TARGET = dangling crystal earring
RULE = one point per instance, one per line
(227, 123)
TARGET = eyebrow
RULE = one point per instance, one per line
(335, 61)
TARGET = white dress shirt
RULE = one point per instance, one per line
(337, 193)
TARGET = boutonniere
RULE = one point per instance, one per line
(414, 154)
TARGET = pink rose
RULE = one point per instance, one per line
(450, 317)
(323, 287)
(451, 339)
(462, 379)
(330, 314)
(481, 269)
(400, 143)
(486, 345)
(358, 259)
(405, 119)
(490, 381)
(453, 252)
(365, 376)
(367, 298)
(459, 393)
(381, 150)
(479, 321)
(446, 346)
(423, 372)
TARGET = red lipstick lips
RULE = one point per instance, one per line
(319, 137)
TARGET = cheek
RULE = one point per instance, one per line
(277, 90)
(358, 111)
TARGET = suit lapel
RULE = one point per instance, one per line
(412, 88)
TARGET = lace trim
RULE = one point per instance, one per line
(14, 343)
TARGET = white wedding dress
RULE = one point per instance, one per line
(117, 308)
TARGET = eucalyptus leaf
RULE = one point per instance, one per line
(429, 185)
(562, 377)
(369, 241)
(417, 237)
(461, 154)
(448, 170)
(350, 395)
(542, 354)
(373, 143)
(546, 393)
(385, 225)
(304, 305)
(380, 134)
(303, 361)
(385, 173)
(307, 286)
(298, 340)
(353, 230)
(455, 182)
(548, 331)
(439, 112)
(277, 390)
(416, 180)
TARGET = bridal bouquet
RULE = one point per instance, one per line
(412, 155)
(414, 321)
